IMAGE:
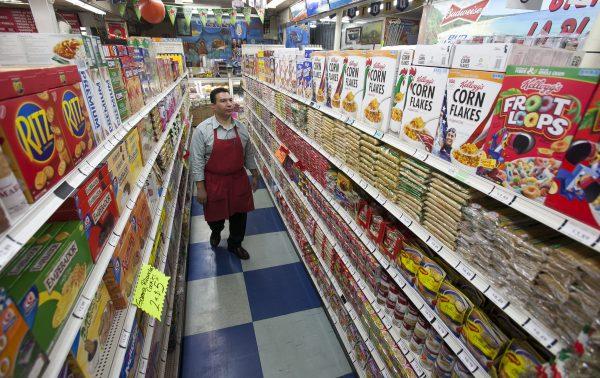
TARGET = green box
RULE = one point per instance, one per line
(115, 74)
(48, 290)
(122, 103)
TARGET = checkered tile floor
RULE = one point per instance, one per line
(259, 317)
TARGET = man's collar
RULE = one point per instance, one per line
(216, 124)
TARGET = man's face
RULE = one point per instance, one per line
(223, 106)
(450, 137)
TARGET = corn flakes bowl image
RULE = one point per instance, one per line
(68, 48)
(397, 114)
(467, 157)
(320, 95)
(372, 114)
(413, 129)
(335, 101)
(349, 105)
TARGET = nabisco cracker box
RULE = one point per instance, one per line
(377, 99)
(484, 57)
(470, 98)
(335, 73)
(110, 96)
(424, 100)
(353, 85)
(403, 79)
(433, 55)
(319, 76)
(92, 103)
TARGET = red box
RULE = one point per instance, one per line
(15, 82)
(37, 156)
(72, 117)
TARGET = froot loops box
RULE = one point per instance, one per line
(537, 113)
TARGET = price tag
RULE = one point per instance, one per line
(403, 348)
(362, 285)
(467, 361)
(421, 155)
(581, 235)
(378, 134)
(440, 328)
(466, 272)
(150, 291)
(85, 168)
(124, 339)
(114, 239)
(417, 368)
(538, 332)
(502, 195)
(498, 299)
(405, 220)
(8, 248)
(427, 313)
(434, 244)
(143, 365)
(350, 121)
(81, 308)
(370, 345)
(387, 322)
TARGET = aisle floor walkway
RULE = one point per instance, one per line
(259, 317)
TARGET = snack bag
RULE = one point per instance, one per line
(519, 360)
(353, 86)
(377, 98)
(335, 77)
(483, 338)
(534, 120)
(452, 306)
(403, 80)
(577, 184)
(319, 76)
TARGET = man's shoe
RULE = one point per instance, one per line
(215, 239)
(239, 252)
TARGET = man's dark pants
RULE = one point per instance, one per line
(237, 229)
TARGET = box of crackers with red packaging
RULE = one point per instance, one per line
(21, 81)
(38, 157)
(576, 188)
(72, 118)
(534, 120)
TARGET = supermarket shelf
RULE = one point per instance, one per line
(116, 353)
(62, 345)
(39, 212)
(568, 226)
(513, 309)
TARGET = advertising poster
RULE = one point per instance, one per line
(446, 21)
(297, 36)
(214, 42)
(316, 6)
(298, 11)
(255, 31)
(334, 4)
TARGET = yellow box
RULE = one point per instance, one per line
(118, 169)
(134, 156)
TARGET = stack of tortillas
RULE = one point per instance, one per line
(353, 148)
(339, 140)
(369, 151)
(414, 181)
(388, 172)
(327, 133)
(313, 124)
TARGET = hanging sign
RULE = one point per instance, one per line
(233, 16)
(375, 8)
(247, 11)
(137, 10)
(121, 7)
(187, 14)
(218, 16)
(203, 16)
(150, 291)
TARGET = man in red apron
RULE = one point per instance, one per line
(220, 153)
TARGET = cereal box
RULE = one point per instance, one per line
(123, 104)
(108, 91)
(379, 85)
(115, 74)
(47, 291)
(118, 168)
(21, 356)
(403, 79)
(576, 185)
(307, 75)
(147, 137)
(534, 120)
(71, 117)
(482, 57)
(319, 76)
(470, 98)
(433, 55)
(37, 156)
(133, 87)
(132, 142)
(353, 82)
(17, 81)
(93, 334)
(335, 77)
(424, 100)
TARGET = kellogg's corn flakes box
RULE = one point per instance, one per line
(319, 76)
(538, 111)
(335, 77)
(403, 80)
(353, 82)
(377, 99)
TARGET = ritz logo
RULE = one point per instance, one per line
(34, 133)
(73, 112)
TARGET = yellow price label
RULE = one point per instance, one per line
(150, 291)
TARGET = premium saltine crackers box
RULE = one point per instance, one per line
(377, 100)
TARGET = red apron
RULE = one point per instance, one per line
(228, 189)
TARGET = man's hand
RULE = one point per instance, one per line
(255, 178)
(201, 192)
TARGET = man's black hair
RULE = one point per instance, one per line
(215, 92)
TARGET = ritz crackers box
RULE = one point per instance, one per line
(576, 186)
(534, 121)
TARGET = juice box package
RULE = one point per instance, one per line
(424, 101)
(21, 356)
(136, 163)
(335, 77)
(482, 57)
(319, 76)
(71, 116)
(118, 168)
(470, 99)
(93, 334)
(47, 291)
(577, 183)
(538, 112)
(379, 86)
(353, 83)
(37, 156)
(403, 79)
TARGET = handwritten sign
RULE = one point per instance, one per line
(150, 291)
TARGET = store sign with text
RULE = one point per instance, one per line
(446, 21)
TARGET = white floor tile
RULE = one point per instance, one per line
(200, 232)
(262, 199)
(268, 250)
(215, 303)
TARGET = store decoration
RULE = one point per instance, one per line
(237, 3)
(247, 11)
(136, 9)
(187, 14)
(153, 11)
(261, 15)
(172, 12)
(122, 7)
(375, 8)
(232, 16)
(116, 30)
(352, 12)
(218, 16)
(203, 16)
(401, 5)
(260, 6)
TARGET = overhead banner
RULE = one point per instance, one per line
(137, 10)
(187, 14)
(232, 16)
(122, 8)
(218, 16)
(260, 6)
(447, 21)
(203, 16)
(172, 12)
(247, 11)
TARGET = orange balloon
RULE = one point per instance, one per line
(153, 11)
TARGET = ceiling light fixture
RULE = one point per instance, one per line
(87, 6)
(275, 3)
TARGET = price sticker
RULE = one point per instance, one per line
(378, 134)
(466, 272)
(114, 239)
(124, 339)
(502, 195)
(468, 361)
(498, 299)
(440, 328)
(406, 220)
(81, 308)
(387, 323)
(370, 345)
(403, 348)
(150, 291)
(427, 313)
(538, 332)
(576, 232)
(421, 155)
(350, 121)
(434, 244)
(417, 368)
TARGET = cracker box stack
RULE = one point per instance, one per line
(379, 85)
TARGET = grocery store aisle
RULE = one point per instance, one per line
(259, 317)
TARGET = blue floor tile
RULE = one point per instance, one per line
(349, 375)
(198, 209)
(227, 352)
(261, 221)
(280, 290)
(204, 262)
